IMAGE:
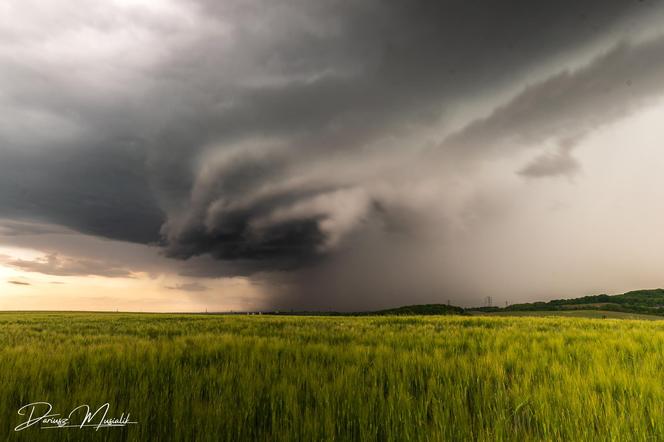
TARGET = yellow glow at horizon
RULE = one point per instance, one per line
(141, 292)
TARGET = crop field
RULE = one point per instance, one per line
(271, 378)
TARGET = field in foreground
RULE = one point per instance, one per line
(200, 378)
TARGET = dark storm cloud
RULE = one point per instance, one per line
(217, 221)
(254, 132)
(366, 71)
(99, 192)
(334, 74)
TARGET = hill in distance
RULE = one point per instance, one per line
(649, 302)
(642, 302)
(423, 309)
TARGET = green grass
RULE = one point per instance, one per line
(217, 378)
(601, 314)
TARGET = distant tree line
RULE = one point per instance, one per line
(639, 301)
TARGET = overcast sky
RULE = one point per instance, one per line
(172, 155)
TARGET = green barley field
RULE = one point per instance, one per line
(272, 378)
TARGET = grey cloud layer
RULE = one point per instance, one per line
(57, 266)
(568, 106)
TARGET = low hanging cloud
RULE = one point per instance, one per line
(189, 287)
(14, 228)
(560, 162)
(55, 265)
